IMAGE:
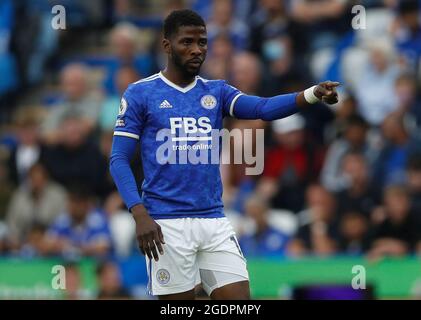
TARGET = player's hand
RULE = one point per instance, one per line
(148, 233)
(326, 92)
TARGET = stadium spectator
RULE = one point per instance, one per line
(318, 30)
(280, 64)
(389, 168)
(34, 42)
(264, 240)
(27, 150)
(407, 32)
(269, 22)
(37, 201)
(375, 88)
(121, 224)
(80, 231)
(123, 9)
(353, 229)
(32, 245)
(78, 102)
(242, 8)
(324, 21)
(310, 11)
(109, 282)
(409, 105)
(354, 139)
(344, 111)
(124, 76)
(74, 283)
(317, 234)
(399, 233)
(246, 73)
(290, 165)
(413, 174)
(217, 64)
(76, 158)
(273, 38)
(358, 195)
(126, 47)
(222, 20)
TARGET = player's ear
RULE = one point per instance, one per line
(166, 45)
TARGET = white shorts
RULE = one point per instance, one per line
(196, 250)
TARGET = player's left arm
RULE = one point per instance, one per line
(281, 106)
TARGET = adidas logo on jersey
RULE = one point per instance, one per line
(165, 105)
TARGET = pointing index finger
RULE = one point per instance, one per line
(333, 84)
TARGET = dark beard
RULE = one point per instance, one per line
(182, 67)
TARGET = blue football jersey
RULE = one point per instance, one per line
(176, 126)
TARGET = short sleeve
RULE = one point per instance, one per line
(230, 95)
(130, 119)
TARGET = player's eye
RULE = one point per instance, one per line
(187, 41)
(203, 42)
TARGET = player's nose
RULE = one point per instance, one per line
(196, 50)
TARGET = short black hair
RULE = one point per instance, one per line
(180, 18)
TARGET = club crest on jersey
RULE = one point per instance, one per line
(208, 102)
(123, 107)
(163, 276)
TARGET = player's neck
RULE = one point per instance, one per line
(177, 77)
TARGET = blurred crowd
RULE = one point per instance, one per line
(341, 180)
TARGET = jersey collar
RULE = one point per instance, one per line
(172, 84)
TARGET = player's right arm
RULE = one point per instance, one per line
(126, 136)
(250, 107)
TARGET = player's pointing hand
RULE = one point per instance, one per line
(326, 92)
(148, 233)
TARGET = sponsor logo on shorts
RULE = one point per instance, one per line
(162, 276)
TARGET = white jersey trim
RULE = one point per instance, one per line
(150, 78)
(203, 79)
(173, 85)
(126, 134)
(232, 104)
